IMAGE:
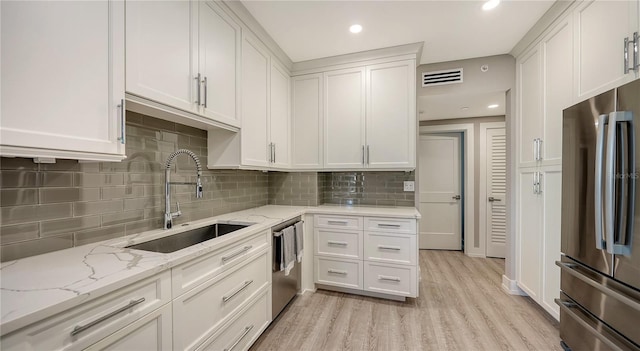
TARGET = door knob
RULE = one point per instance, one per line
(492, 199)
(457, 197)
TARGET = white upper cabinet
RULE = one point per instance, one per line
(279, 118)
(63, 79)
(219, 63)
(529, 76)
(344, 127)
(306, 121)
(255, 148)
(186, 55)
(161, 60)
(600, 29)
(391, 116)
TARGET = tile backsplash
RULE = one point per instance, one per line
(48, 207)
(366, 188)
(295, 189)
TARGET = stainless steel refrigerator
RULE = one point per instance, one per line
(600, 266)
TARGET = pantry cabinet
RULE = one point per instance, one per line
(63, 88)
(184, 54)
(307, 121)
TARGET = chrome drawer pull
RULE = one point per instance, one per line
(337, 272)
(339, 222)
(383, 225)
(246, 331)
(339, 243)
(387, 278)
(245, 249)
(382, 247)
(244, 286)
(80, 328)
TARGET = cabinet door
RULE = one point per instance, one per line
(391, 115)
(255, 103)
(219, 63)
(344, 142)
(151, 332)
(279, 120)
(162, 60)
(62, 87)
(529, 235)
(530, 110)
(558, 78)
(552, 208)
(306, 118)
(600, 29)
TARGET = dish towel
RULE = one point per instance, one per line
(289, 252)
(299, 240)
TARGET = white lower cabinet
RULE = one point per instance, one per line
(376, 254)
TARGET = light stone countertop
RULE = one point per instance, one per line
(34, 288)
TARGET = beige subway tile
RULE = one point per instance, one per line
(122, 217)
(19, 179)
(35, 247)
(17, 163)
(143, 226)
(18, 197)
(98, 179)
(97, 207)
(100, 234)
(127, 191)
(56, 179)
(181, 128)
(54, 195)
(142, 203)
(49, 228)
(155, 123)
(133, 118)
(26, 214)
(21, 232)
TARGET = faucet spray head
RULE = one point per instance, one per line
(199, 192)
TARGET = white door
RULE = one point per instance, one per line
(440, 197)
(62, 76)
(279, 118)
(162, 47)
(344, 139)
(495, 221)
(255, 103)
(391, 115)
(306, 121)
(219, 62)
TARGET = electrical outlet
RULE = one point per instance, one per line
(409, 185)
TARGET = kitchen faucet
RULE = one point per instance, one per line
(168, 215)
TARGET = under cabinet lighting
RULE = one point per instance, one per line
(356, 28)
(493, 106)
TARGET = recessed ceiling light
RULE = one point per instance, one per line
(493, 106)
(464, 108)
(491, 4)
(356, 28)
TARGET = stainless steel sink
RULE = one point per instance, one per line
(177, 242)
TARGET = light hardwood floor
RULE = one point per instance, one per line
(461, 307)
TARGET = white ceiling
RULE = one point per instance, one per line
(433, 107)
(450, 30)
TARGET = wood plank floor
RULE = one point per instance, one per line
(461, 307)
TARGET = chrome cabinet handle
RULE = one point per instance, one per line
(385, 225)
(338, 222)
(636, 54)
(245, 249)
(539, 149)
(80, 328)
(535, 149)
(246, 331)
(197, 78)
(626, 56)
(388, 278)
(274, 152)
(339, 243)
(226, 298)
(368, 154)
(383, 247)
(493, 199)
(337, 272)
(205, 91)
(634, 66)
(122, 132)
(363, 157)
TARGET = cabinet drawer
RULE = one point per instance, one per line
(340, 244)
(391, 248)
(193, 273)
(344, 273)
(199, 312)
(338, 222)
(390, 279)
(390, 225)
(94, 320)
(244, 329)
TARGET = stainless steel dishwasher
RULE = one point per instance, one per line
(284, 287)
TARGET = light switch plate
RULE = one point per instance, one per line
(409, 185)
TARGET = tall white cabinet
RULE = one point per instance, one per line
(306, 121)
(63, 92)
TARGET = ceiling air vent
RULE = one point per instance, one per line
(450, 76)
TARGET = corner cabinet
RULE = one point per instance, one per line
(84, 120)
(370, 119)
(202, 71)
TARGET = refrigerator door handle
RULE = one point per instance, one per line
(610, 182)
(602, 120)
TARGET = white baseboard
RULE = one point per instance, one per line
(306, 290)
(511, 287)
(477, 255)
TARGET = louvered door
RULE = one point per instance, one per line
(496, 192)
